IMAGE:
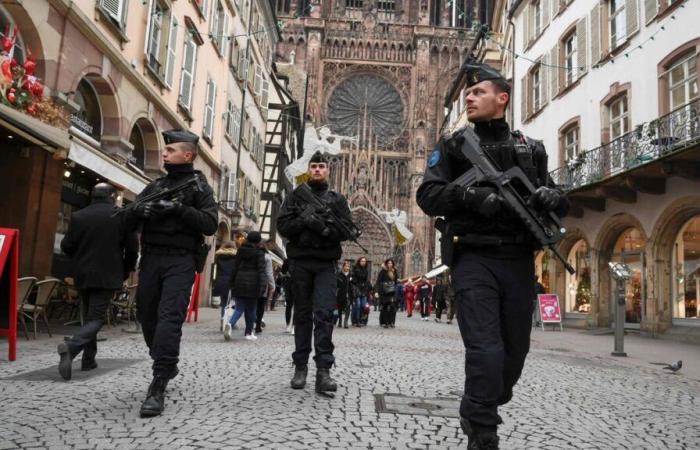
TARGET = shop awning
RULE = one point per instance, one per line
(84, 154)
(33, 130)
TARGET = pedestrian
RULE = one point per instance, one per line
(539, 289)
(173, 249)
(288, 296)
(424, 291)
(492, 264)
(103, 254)
(344, 294)
(399, 297)
(361, 290)
(314, 247)
(451, 307)
(385, 288)
(270, 286)
(278, 289)
(409, 293)
(248, 284)
(439, 299)
(223, 260)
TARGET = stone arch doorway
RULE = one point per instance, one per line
(146, 152)
(677, 236)
(110, 129)
(376, 238)
(622, 238)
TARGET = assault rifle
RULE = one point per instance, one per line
(328, 214)
(515, 187)
(166, 194)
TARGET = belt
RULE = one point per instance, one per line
(488, 240)
(159, 250)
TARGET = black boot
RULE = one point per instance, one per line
(155, 399)
(65, 364)
(299, 379)
(324, 382)
(479, 439)
(88, 364)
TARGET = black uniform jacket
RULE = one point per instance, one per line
(200, 215)
(305, 243)
(437, 196)
(248, 278)
(102, 251)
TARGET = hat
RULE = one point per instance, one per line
(179, 135)
(318, 157)
(254, 237)
(478, 72)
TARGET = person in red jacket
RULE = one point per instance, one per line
(409, 295)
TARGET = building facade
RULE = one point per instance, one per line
(611, 89)
(123, 71)
(377, 73)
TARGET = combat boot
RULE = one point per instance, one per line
(155, 398)
(324, 382)
(299, 379)
(479, 440)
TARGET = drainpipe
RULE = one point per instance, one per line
(512, 69)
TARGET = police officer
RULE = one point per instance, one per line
(493, 266)
(103, 254)
(313, 248)
(171, 242)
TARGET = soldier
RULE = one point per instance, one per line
(172, 244)
(494, 268)
(313, 249)
(103, 254)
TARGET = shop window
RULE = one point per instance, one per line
(88, 117)
(138, 154)
(687, 271)
(629, 249)
(6, 23)
(578, 292)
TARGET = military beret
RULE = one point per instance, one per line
(179, 135)
(478, 72)
(318, 157)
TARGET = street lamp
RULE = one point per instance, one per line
(621, 273)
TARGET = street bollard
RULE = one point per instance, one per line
(621, 273)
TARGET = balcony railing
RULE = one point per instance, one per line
(650, 141)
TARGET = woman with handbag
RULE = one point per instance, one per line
(361, 288)
(385, 289)
(224, 258)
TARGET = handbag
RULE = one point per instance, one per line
(388, 287)
(228, 311)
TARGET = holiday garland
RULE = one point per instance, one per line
(20, 89)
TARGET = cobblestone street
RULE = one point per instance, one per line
(236, 395)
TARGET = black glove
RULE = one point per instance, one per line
(545, 199)
(168, 207)
(145, 210)
(315, 223)
(483, 199)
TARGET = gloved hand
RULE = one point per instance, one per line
(145, 210)
(483, 199)
(545, 199)
(168, 207)
(315, 223)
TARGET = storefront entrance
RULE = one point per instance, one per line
(629, 250)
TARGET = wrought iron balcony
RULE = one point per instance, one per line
(649, 142)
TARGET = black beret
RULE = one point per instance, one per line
(318, 157)
(478, 72)
(254, 237)
(179, 135)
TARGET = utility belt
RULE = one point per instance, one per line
(492, 240)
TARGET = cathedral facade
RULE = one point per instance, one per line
(378, 72)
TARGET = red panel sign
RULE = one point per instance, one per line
(549, 308)
(9, 272)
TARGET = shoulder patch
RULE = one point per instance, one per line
(434, 159)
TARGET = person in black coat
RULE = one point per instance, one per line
(385, 289)
(248, 282)
(224, 266)
(344, 294)
(439, 298)
(102, 254)
(288, 296)
(362, 289)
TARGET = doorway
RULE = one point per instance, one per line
(629, 250)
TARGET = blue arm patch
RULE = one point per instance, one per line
(434, 158)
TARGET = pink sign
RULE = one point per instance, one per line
(549, 307)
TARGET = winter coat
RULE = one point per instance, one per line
(439, 294)
(102, 252)
(384, 276)
(409, 292)
(344, 292)
(423, 290)
(399, 294)
(225, 258)
(248, 277)
(360, 282)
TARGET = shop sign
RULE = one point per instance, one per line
(80, 124)
(549, 309)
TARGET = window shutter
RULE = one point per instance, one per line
(114, 8)
(231, 192)
(251, 74)
(225, 39)
(651, 7)
(258, 81)
(544, 79)
(242, 65)
(236, 125)
(581, 44)
(170, 60)
(530, 24)
(212, 108)
(632, 12)
(546, 8)
(554, 77)
(151, 11)
(526, 26)
(265, 91)
(187, 79)
(214, 29)
(523, 99)
(595, 34)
